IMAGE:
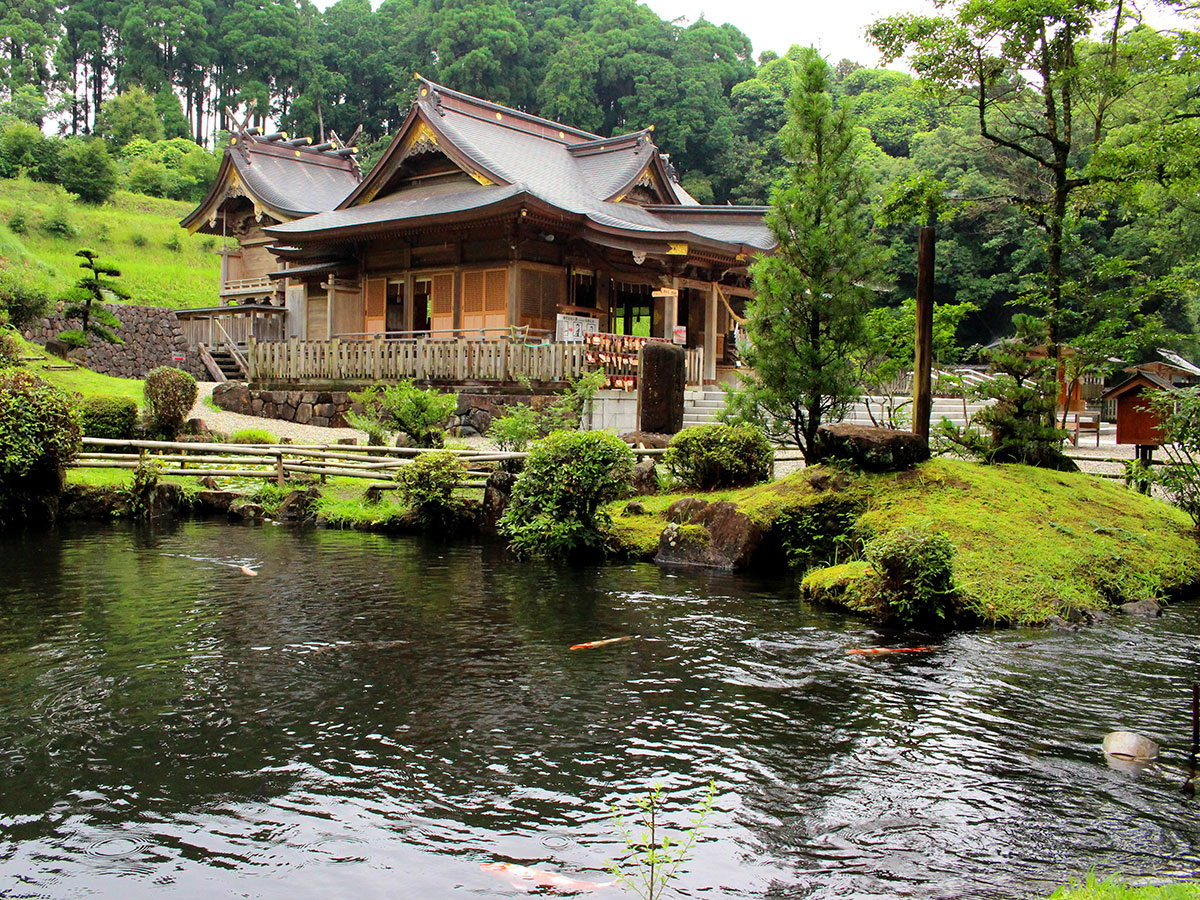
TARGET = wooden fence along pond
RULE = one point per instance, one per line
(503, 361)
(278, 461)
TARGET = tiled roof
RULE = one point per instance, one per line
(295, 182)
(286, 181)
(401, 209)
(564, 168)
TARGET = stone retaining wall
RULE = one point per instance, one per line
(152, 337)
(325, 408)
(473, 415)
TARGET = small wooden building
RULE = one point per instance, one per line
(481, 221)
(1137, 422)
(267, 180)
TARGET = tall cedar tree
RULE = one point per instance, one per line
(1040, 95)
(92, 288)
(807, 324)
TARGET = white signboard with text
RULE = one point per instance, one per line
(571, 329)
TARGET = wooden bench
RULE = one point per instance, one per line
(1081, 421)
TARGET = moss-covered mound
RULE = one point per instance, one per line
(1028, 543)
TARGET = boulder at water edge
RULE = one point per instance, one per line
(868, 448)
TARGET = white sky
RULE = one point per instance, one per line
(835, 27)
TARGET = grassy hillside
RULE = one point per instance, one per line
(1029, 543)
(161, 264)
(79, 380)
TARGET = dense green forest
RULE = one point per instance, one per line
(157, 80)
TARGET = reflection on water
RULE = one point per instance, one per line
(377, 717)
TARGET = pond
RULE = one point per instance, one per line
(373, 716)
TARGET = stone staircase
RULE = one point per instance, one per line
(702, 407)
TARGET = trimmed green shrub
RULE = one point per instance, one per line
(10, 348)
(39, 434)
(916, 576)
(427, 487)
(523, 423)
(108, 417)
(513, 431)
(403, 406)
(22, 302)
(711, 457)
(74, 338)
(556, 507)
(252, 436)
(147, 177)
(170, 394)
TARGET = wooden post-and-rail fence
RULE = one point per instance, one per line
(500, 361)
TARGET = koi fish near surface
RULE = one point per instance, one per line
(592, 645)
(891, 650)
(246, 570)
(524, 878)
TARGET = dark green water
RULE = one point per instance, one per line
(172, 727)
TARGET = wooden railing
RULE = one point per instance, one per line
(423, 360)
(239, 285)
(499, 361)
(238, 326)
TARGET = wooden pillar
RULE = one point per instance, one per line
(923, 367)
(710, 336)
(671, 311)
(406, 311)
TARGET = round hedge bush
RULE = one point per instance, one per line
(556, 505)
(711, 457)
(170, 394)
(108, 417)
(39, 434)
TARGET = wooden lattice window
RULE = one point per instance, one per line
(375, 319)
(473, 293)
(540, 294)
(443, 294)
(495, 292)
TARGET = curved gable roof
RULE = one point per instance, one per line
(512, 154)
(285, 182)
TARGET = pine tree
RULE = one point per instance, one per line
(807, 324)
(92, 288)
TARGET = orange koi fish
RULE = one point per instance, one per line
(246, 570)
(592, 645)
(892, 650)
(524, 878)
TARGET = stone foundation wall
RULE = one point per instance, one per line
(475, 412)
(473, 415)
(152, 337)
(326, 408)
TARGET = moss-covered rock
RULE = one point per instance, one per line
(1029, 543)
